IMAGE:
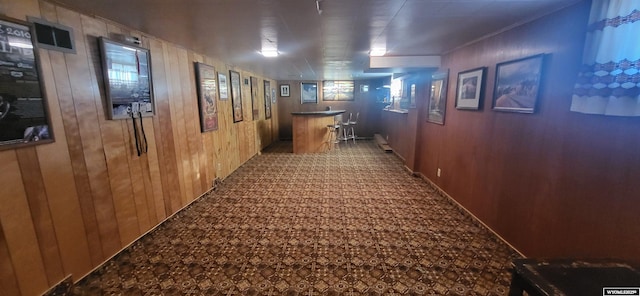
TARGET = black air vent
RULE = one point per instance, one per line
(53, 36)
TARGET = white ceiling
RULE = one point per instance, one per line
(333, 45)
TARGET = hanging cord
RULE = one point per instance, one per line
(135, 133)
(144, 135)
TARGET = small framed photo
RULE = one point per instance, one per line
(308, 93)
(207, 97)
(224, 91)
(236, 96)
(267, 99)
(284, 90)
(438, 99)
(470, 90)
(517, 84)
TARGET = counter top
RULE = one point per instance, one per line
(321, 113)
(401, 111)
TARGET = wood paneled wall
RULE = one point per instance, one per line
(68, 206)
(554, 183)
(401, 129)
(365, 103)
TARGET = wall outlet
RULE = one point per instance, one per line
(439, 172)
(387, 137)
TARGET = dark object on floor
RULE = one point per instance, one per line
(573, 277)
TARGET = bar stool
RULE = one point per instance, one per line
(334, 131)
(351, 134)
(344, 125)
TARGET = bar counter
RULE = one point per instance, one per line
(310, 132)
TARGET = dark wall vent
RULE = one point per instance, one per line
(53, 36)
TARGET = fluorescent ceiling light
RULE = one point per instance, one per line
(377, 52)
(269, 53)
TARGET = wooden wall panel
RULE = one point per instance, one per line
(19, 229)
(186, 187)
(163, 130)
(59, 182)
(83, 187)
(93, 149)
(554, 183)
(69, 205)
(65, 197)
(8, 280)
(192, 122)
(20, 9)
(152, 183)
(39, 206)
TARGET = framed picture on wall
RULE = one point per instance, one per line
(254, 98)
(284, 90)
(236, 96)
(438, 100)
(308, 93)
(273, 95)
(267, 99)
(222, 87)
(207, 97)
(333, 90)
(24, 115)
(127, 79)
(517, 84)
(470, 89)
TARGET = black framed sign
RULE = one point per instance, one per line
(24, 116)
(127, 75)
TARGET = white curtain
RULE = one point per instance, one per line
(609, 81)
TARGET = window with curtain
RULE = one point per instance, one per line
(609, 80)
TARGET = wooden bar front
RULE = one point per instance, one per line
(310, 132)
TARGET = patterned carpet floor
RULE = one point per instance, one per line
(351, 221)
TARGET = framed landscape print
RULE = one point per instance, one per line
(236, 96)
(207, 97)
(24, 116)
(308, 93)
(267, 99)
(517, 84)
(333, 90)
(127, 79)
(438, 99)
(222, 87)
(470, 89)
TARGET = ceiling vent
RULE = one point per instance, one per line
(53, 36)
